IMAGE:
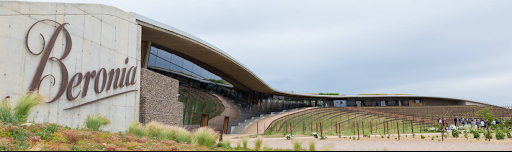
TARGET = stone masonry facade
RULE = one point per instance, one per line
(159, 99)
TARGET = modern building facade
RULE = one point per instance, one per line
(97, 59)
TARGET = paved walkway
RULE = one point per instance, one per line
(265, 122)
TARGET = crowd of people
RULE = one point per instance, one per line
(475, 123)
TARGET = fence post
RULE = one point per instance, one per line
(403, 126)
(412, 128)
(321, 131)
(371, 128)
(257, 129)
(357, 131)
(362, 124)
(291, 129)
(303, 127)
(398, 130)
(384, 126)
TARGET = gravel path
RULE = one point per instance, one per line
(406, 144)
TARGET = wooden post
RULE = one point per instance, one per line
(362, 124)
(442, 132)
(403, 126)
(291, 129)
(311, 124)
(220, 136)
(303, 127)
(357, 131)
(321, 131)
(354, 128)
(488, 134)
(371, 128)
(257, 128)
(412, 128)
(398, 130)
(384, 126)
(387, 125)
(331, 124)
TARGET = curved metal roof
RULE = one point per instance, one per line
(222, 64)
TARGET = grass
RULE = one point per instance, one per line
(182, 135)
(257, 143)
(312, 145)
(296, 145)
(244, 142)
(95, 122)
(205, 136)
(20, 113)
(137, 129)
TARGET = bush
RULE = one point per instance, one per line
(95, 122)
(205, 136)
(244, 142)
(154, 128)
(137, 129)
(422, 137)
(19, 114)
(222, 144)
(500, 135)
(432, 137)
(167, 134)
(312, 145)
(288, 136)
(455, 133)
(238, 143)
(296, 145)
(257, 143)
(466, 134)
(25, 105)
(487, 136)
(182, 135)
(507, 131)
(228, 143)
(476, 135)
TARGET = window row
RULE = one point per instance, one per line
(161, 59)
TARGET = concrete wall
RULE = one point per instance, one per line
(159, 99)
(102, 37)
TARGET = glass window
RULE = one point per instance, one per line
(162, 63)
(417, 101)
(177, 60)
(165, 55)
(175, 67)
(197, 70)
(205, 73)
(154, 50)
(152, 60)
(187, 67)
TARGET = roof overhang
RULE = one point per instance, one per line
(220, 63)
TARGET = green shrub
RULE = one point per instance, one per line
(296, 144)
(222, 144)
(507, 131)
(19, 114)
(432, 137)
(500, 135)
(257, 143)
(312, 145)
(422, 137)
(95, 122)
(25, 105)
(455, 134)
(137, 129)
(167, 134)
(476, 135)
(244, 142)
(154, 128)
(487, 136)
(238, 143)
(205, 136)
(466, 134)
(228, 143)
(182, 135)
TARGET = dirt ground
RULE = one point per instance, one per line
(377, 143)
(265, 122)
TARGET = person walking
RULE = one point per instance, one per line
(455, 121)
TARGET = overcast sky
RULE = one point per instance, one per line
(460, 49)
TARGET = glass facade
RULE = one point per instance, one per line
(163, 60)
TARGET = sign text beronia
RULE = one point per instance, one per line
(117, 78)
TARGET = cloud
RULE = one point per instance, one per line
(459, 48)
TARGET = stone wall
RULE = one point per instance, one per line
(159, 99)
(99, 37)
